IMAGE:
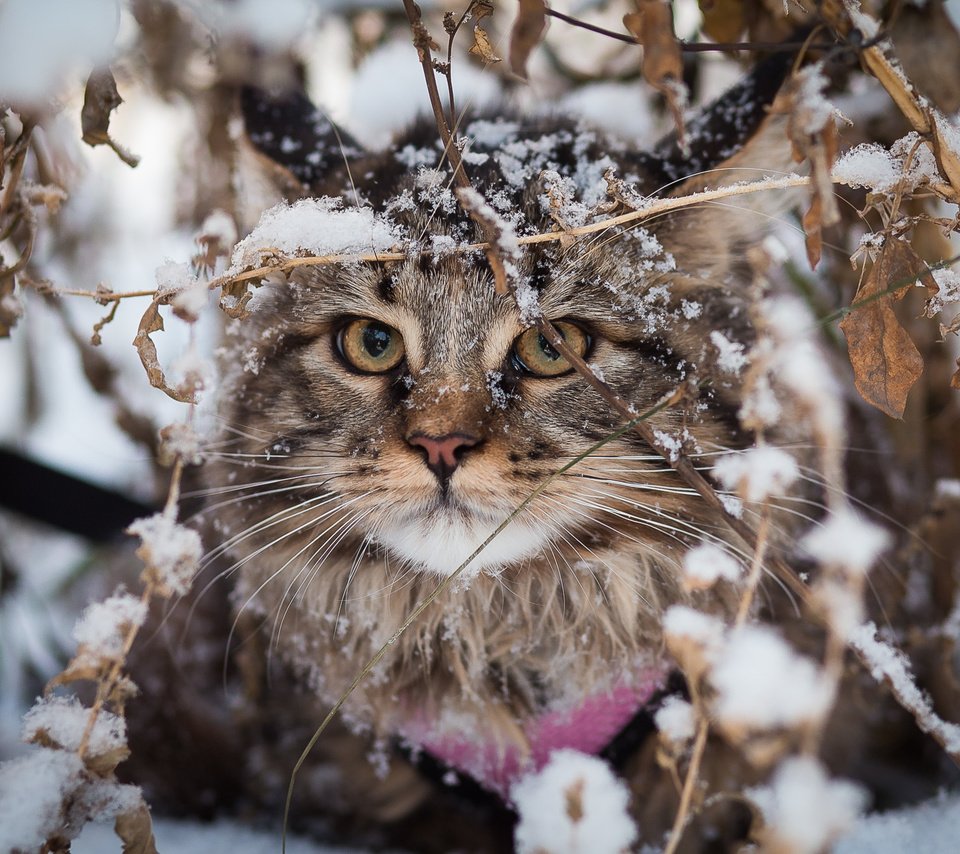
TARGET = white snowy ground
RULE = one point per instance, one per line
(932, 828)
(136, 210)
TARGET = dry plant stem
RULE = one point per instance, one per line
(703, 728)
(18, 157)
(689, 47)
(451, 103)
(756, 568)
(689, 783)
(105, 687)
(421, 40)
(901, 91)
(655, 208)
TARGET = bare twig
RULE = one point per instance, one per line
(689, 784)
(690, 47)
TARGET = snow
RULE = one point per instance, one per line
(872, 166)
(218, 837)
(314, 227)
(805, 810)
(675, 720)
(948, 290)
(758, 473)
(730, 355)
(814, 110)
(170, 549)
(889, 664)
(180, 441)
(100, 630)
(63, 721)
(787, 355)
(947, 488)
(273, 25)
(706, 564)
(575, 805)
(847, 541)
(762, 683)
(32, 789)
(930, 828)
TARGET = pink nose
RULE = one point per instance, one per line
(443, 453)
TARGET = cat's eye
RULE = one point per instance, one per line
(533, 354)
(370, 346)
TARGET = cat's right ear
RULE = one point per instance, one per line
(307, 154)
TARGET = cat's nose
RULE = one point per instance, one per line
(443, 453)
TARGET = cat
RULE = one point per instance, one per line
(380, 420)
(398, 412)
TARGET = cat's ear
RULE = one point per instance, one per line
(308, 153)
(733, 131)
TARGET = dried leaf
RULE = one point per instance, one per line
(528, 29)
(885, 361)
(234, 297)
(78, 670)
(482, 46)
(135, 830)
(106, 763)
(812, 232)
(955, 379)
(152, 322)
(482, 9)
(813, 137)
(662, 66)
(723, 20)
(100, 99)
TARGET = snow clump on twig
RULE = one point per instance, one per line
(171, 551)
(575, 805)
(804, 810)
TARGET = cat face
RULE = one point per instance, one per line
(434, 410)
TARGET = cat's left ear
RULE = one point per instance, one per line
(736, 130)
(297, 138)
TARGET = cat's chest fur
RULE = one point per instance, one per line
(400, 415)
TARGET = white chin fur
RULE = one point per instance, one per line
(440, 544)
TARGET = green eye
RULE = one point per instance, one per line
(533, 354)
(370, 346)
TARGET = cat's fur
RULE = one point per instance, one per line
(342, 529)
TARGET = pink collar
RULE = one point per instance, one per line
(589, 728)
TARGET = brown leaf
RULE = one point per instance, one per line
(482, 9)
(106, 763)
(885, 361)
(482, 47)
(662, 67)
(812, 232)
(99, 100)
(152, 322)
(723, 20)
(234, 297)
(528, 29)
(135, 830)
